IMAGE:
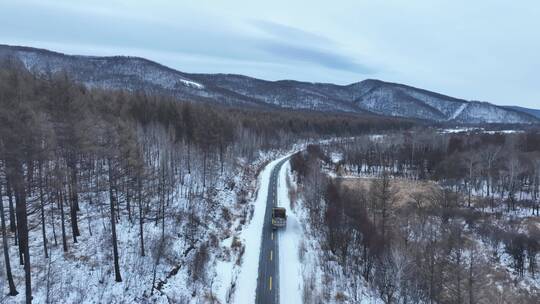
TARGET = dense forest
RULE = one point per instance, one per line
(80, 164)
(426, 217)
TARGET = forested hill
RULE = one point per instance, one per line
(42, 107)
(368, 96)
(534, 112)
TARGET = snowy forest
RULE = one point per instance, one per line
(113, 196)
(257, 152)
(423, 217)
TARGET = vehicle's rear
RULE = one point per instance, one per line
(279, 217)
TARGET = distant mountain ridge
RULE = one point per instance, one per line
(533, 112)
(368, 96)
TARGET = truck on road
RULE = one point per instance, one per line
(279, 217)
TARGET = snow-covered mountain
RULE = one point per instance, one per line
(400, 100)
(533, 112)
(368, 96)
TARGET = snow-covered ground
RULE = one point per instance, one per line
(458, 111)
(308, 272)
(84, 273)
(250, 236)
(290, 266)
(479, 130)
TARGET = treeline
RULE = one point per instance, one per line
(68, 153)
(502, 168)
(430, 249)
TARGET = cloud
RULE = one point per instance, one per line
(270, 43)
(457, 47)
(316, 56)
(51, 25)
(281, 31)
(294, 44)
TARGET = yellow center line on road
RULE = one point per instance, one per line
(270, 282)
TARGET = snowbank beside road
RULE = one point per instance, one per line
(290, 266)
(251, 238)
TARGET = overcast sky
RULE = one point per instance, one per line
(477, 50)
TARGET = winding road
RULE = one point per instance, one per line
(268, 278)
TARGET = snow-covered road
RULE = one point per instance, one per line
(251, 236)
(282, 265)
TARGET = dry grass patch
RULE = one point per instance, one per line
(405, 188)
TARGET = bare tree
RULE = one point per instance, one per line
(12, 289)
(112, 203)
(384, 197)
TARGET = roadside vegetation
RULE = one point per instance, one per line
(424, 217)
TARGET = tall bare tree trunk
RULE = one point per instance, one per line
(141, 218)
(112, 200)
(53, 224)
(204, 168)
(12, 289)
(73, 213)
(22, 223)
(128, 202)
(74, 199)
(42, 210)
(12, 224)
(17, 233)
(189, 158)
(471, 278)
(62, 220)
